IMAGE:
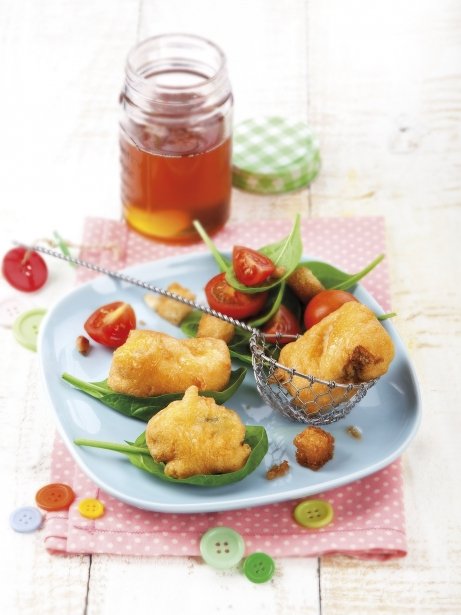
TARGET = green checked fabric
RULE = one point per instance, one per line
(274, 155)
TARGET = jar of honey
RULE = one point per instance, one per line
(176, 138)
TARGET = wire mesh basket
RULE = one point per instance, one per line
(298, 396)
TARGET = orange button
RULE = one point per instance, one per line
(56, 496)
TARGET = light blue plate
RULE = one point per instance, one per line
(388, 416)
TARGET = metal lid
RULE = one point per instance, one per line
(274, 155)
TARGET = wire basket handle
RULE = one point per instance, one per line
(130, 280)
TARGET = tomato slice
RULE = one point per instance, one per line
(24, 269)
(283, 321)
(324, 303)
(110, 324)
(231, 302)
(251, 267)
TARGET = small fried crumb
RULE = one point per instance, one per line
(170, 309)
(279, 272)
(314, 447)
(210, 326)
(278, 470)
(354, 432)
(304, 284)
(82, 344)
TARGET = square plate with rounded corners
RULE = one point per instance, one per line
(388, 416)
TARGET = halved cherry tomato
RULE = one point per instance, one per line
(223, 298)
(283, 321)
(110, 324)
(324, 303)
(251, 267)
(24, 269)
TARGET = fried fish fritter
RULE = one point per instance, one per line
(153, 363)
(314, 447)
(196, 436)
(348, 346)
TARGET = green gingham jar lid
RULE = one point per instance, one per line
(273, 155)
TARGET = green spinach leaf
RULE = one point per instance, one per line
(275, 302)
(139, 456)
(222, 262)
(333, 278)
(143, 408)
(285, 254)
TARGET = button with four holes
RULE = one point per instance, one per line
(313, 513)
(56, 496)
(259, 567)
(222, 547)
(91, 508)
(26, 519)
(26, 326)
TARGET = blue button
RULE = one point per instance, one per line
(26, 519)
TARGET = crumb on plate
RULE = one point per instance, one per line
(314, 447)
(278, 470)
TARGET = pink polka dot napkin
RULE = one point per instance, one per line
(369, 515)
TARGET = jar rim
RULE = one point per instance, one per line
(138, 80)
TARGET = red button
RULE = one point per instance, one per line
(56, 496)
(24, 269)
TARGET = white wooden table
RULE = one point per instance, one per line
(380, 82)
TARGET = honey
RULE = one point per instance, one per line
(175, 139)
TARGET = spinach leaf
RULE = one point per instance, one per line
(275, 302)
(238, 346)
(143, 408)
(382, 317)
(285, 254)
(139, 456)
(222, 262)
(333, 278)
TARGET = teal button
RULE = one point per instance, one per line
(259, 567)
(222, 547)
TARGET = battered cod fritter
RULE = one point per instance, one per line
(196, 436)
(314, 447)
(348, 346)
(153, 363)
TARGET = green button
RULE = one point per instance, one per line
(259, 567)
(313, 513)
(222, 547)
(26, 326)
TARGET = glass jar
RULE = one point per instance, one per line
(175, 137)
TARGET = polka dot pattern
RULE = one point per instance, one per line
(368, 514)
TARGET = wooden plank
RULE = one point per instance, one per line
(175, 584)
(386, 103)
(58, 115)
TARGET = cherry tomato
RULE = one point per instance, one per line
(223, 298)
(251, 267)
(283, 321)
(110, 324)
(24, 269)
(324, 303)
